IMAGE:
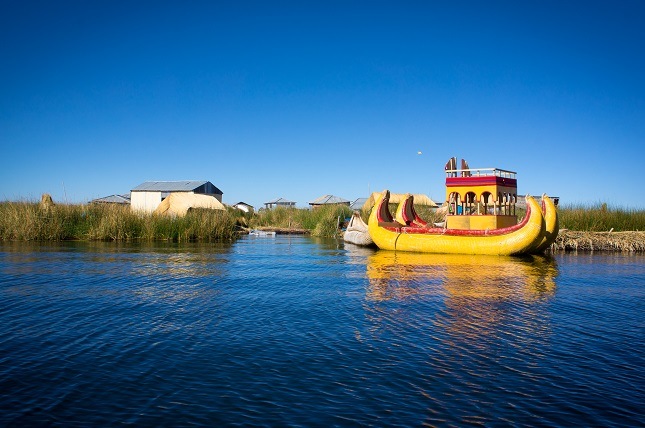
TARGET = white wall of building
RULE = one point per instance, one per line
(242, 207)
(145, 201)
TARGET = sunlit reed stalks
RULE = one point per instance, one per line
(25, 221)
(323, 221)
(600, 218)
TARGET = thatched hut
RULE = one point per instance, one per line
(419, 200)
(178, 204)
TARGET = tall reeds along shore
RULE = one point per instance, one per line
(600, 218)
(595, 228)
(27, 221)
(321, 222)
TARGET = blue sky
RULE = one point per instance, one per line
(301, 99)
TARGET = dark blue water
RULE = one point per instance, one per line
(290, 331)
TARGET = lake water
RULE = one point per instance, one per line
(292, 331)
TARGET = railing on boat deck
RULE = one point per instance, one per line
(480, 172)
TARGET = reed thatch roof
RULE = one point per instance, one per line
(395, 198)
(179, 203)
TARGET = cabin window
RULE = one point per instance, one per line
(487, 200)
(469, 203)
(498, 203)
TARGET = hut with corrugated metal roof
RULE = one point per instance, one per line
(147, 196)
(327, 200)
(358, 203)
(112, 199)
(279, 202)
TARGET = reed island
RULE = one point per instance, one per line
(582, 228)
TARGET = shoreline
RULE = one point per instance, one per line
(567, 240)
(283, 230)
(571, 240)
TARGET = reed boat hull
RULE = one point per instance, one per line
(524, 238)
(357, 232)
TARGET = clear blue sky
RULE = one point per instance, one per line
(295, 99)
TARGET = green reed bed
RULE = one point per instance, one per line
(600, 218)
(322, 222)
(25, 221)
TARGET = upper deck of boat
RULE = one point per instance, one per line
(481, 177)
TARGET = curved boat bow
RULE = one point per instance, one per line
(551, 226)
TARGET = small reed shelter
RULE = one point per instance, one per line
(480, 198)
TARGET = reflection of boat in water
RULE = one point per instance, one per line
(467, 304)
(357, 232)
(403, 274)
(481, 218)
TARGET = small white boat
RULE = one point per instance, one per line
(262, 233)
(357, 232)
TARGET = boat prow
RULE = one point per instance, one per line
(551, 226)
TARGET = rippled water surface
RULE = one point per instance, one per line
(292, 331)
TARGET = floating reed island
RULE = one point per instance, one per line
(582, 228)
(49, 221)
(570, 240)
(600, 228)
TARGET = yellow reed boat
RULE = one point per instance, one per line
(481, 218)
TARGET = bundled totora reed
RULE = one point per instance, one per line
(569, 240)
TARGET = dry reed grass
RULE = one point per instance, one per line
(569, 240)
(600, 218)
(321, 222)
(25, 221)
